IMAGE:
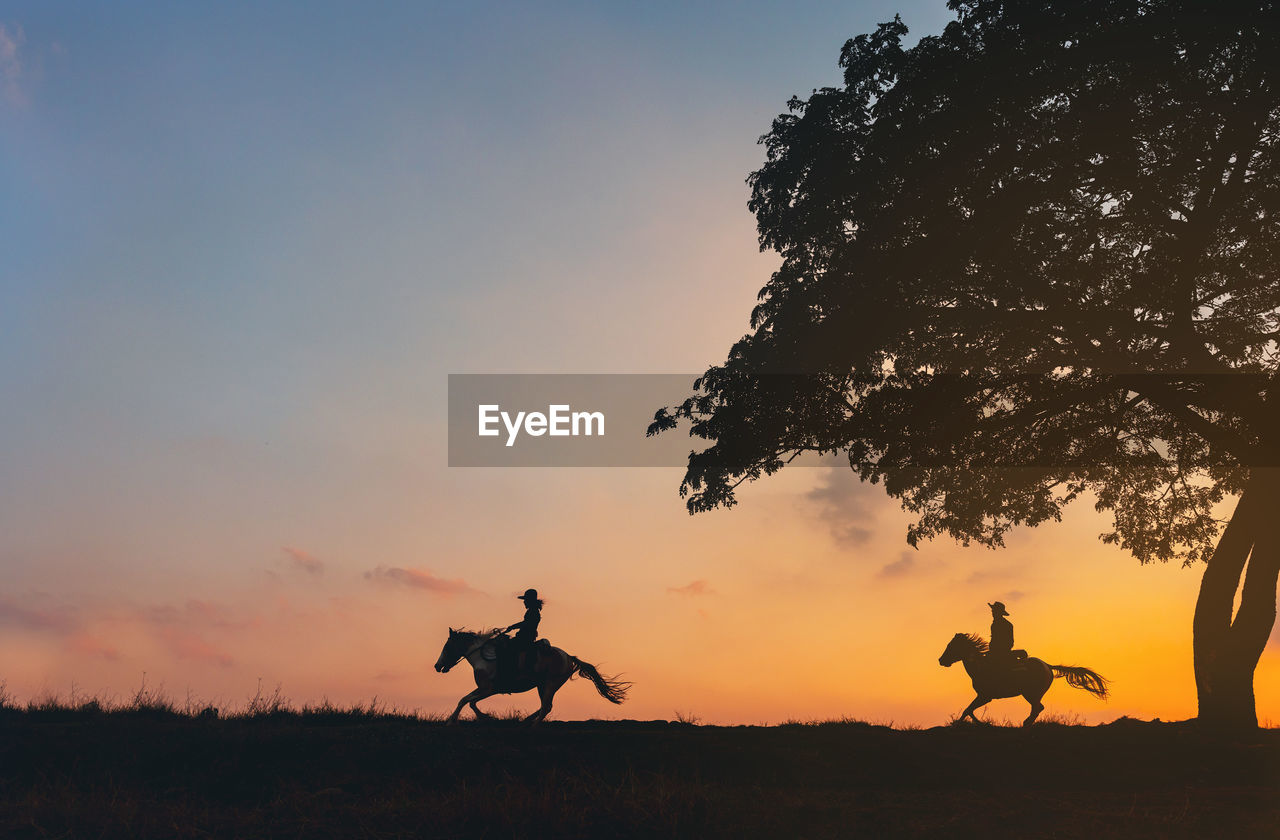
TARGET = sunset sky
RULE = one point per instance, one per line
(243, 248)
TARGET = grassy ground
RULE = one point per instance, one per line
(150, 771)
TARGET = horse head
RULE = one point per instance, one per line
(451, 653)
(959, 646)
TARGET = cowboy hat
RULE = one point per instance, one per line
(1000, 606)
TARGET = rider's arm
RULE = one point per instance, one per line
(529, 622)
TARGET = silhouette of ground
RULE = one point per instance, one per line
(326, 773)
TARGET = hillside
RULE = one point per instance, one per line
(328, 773)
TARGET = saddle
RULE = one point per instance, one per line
(501, 651)
(1014, 660)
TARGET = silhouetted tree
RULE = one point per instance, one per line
(1034, 257)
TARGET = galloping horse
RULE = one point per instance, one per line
(553, 669)
(1030, 677)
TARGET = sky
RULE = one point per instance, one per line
(245, 244)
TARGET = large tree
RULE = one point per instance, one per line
(1033, 258)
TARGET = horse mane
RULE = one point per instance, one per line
(476, 634)
(979, 643)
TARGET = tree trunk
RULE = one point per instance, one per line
(1226, 651)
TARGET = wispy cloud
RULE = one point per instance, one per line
(903, 566)
(84, 629)
(32, 615)
(997, 583)
(912, 563)
(847, 505)
(296, 558)
(692, 589)
(184, 631)
(195, 613)
(11, 41)
(996, 578)
(419, 579)
(184, 644)
(87, 644)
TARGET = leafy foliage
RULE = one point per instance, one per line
(1032, 257)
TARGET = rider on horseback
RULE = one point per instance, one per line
(1001, 652)
(526, 631)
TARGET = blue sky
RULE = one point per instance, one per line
(276, 224)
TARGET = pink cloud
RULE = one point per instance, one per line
(693, 589)
(30, 616)
(298, 559)
(86, 629)
(64, 622)
(194, 613)
(185, 645)
(183, 630)
(419, 579)
(87, 644)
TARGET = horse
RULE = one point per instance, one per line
(552, 669)
(1030, 677)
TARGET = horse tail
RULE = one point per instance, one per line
(611, 688)
(1077, 677)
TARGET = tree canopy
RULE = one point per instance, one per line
(1032, 257)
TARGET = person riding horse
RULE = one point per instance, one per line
(1001, 652)
(521, 648)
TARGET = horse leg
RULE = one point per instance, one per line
(479, 714)
(1036, 707)
(478, 694)
(546, 692)
(978, 702)
(1034, 695)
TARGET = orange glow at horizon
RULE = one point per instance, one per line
(761, 614)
